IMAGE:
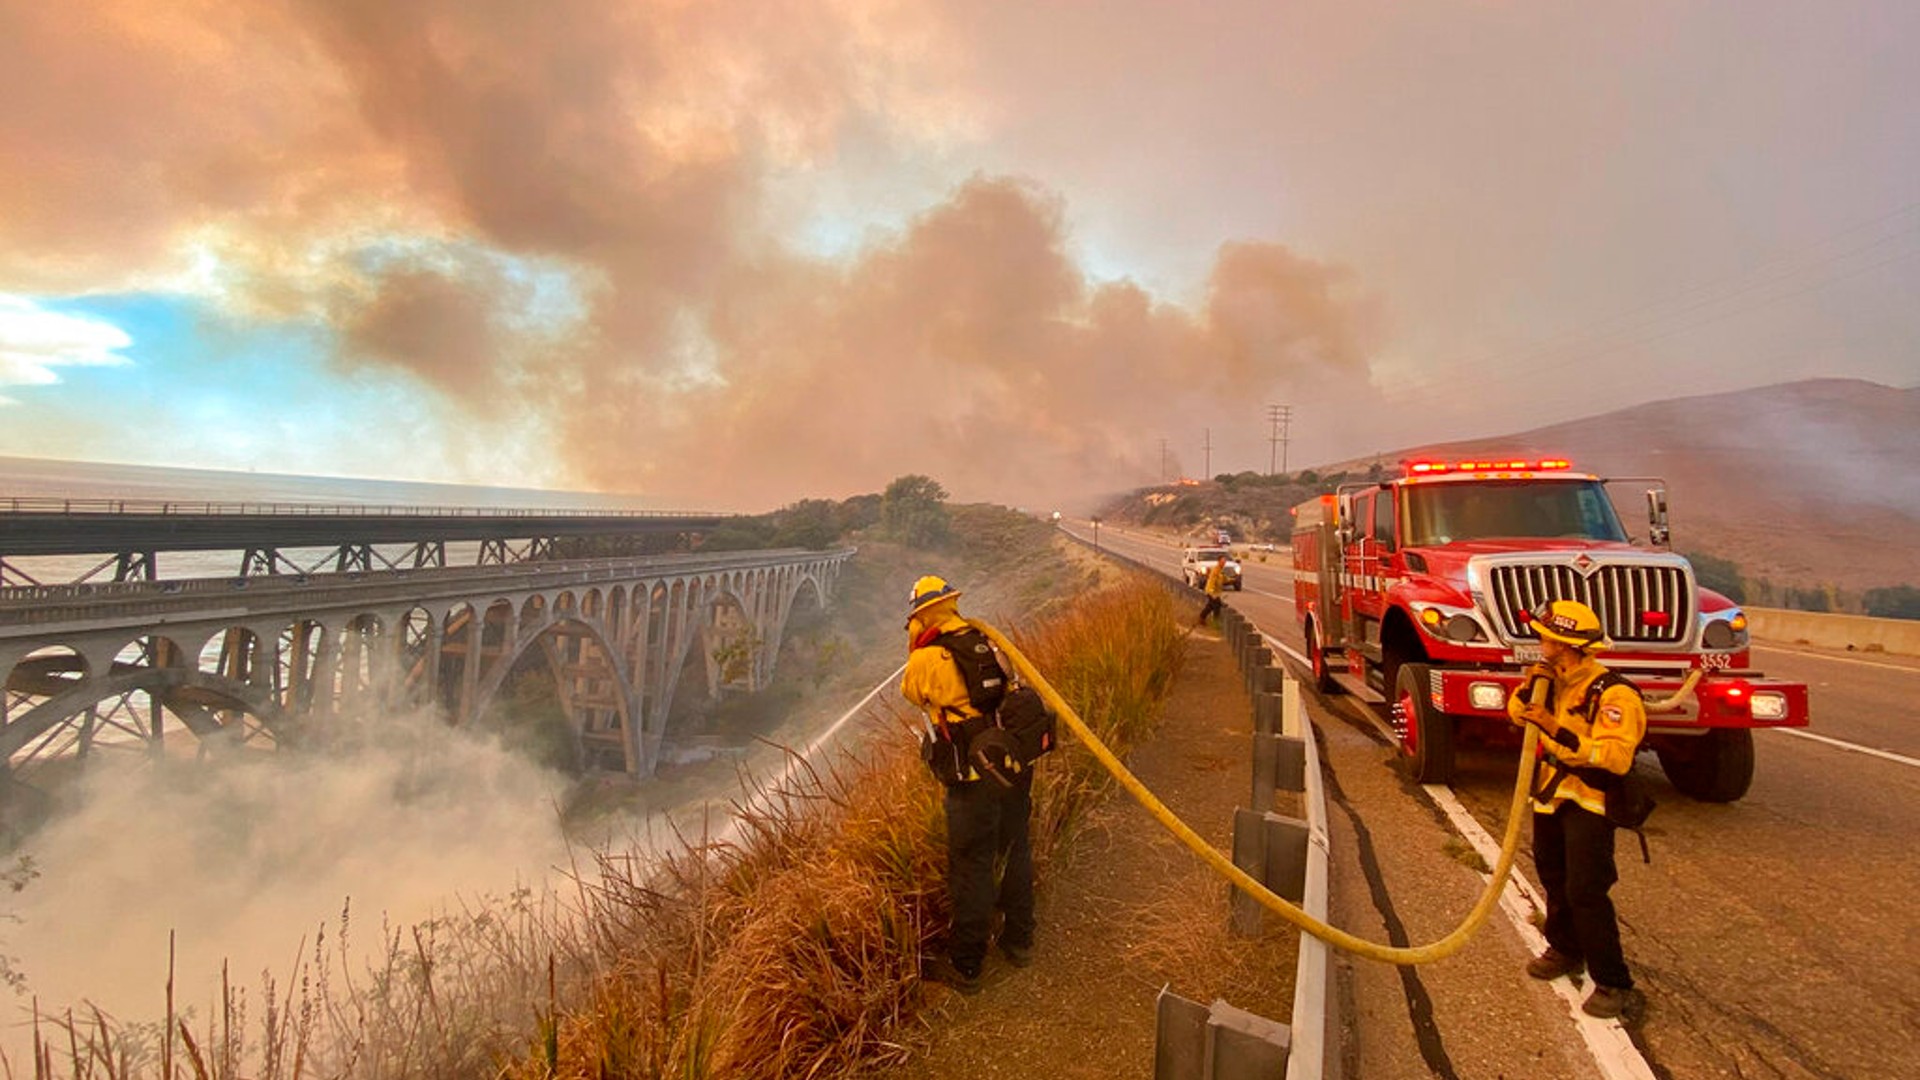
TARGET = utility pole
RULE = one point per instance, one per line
(1281, 417)
(1208, 475)
(1163, 461)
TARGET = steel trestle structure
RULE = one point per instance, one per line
(208, 665)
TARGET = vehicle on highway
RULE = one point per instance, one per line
(1196, 561)
(1417, 593)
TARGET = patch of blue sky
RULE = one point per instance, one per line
(203, 389)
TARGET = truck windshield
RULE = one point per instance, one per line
(1497, 510)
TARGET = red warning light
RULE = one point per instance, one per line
(1432, 468)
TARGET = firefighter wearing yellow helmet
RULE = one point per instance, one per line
(987, 819)
(1590, 741)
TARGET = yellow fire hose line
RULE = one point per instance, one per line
(1340, 939)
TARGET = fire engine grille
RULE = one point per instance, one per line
(1621, 595)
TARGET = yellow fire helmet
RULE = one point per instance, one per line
(1571, 622)
(927, 592)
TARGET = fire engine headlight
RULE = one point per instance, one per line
(1768, 705)
(1724, 634)
(1450, 624)
(1487, 695)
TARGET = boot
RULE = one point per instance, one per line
(1606, 1002)
(943, 970)
(1553, 963)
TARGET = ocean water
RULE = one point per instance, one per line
(39, 479)
(35, 483)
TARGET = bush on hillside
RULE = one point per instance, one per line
(1721, 575)
(1893, 602)
(913, 510)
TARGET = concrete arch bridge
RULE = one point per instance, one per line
(187, 668)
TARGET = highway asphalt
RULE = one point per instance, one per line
(1771, 936)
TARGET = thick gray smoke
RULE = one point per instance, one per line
(245, 861)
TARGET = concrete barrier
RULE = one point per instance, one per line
(1830, 631)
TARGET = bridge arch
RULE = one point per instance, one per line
(306, 647)
(198, 695)
(590, 679)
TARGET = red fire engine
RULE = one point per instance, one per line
(1417, 593)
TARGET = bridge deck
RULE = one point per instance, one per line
(90, 527)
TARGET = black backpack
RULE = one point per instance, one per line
(1014, 727)
(979, 664)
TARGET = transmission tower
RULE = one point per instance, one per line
(1281, 419)
(1208, 447)
(1163, 461)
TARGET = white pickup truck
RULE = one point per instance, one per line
(1196, 561)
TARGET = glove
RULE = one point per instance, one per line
(1548, 723)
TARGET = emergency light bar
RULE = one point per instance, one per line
(1430, 468)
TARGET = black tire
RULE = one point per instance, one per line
(1426, 733)
(1236, 586)
(1715, 767)
(1317, 662)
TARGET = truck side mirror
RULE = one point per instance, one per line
(1657, 531)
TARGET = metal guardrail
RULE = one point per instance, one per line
(1313, 1051)
(174, 507)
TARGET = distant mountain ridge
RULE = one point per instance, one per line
(1805, 483)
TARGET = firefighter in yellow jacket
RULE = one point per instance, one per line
(987, 821)
(1586, 744)
(1216, 590)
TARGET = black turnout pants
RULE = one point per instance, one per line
(1573, 854)
(985, 824)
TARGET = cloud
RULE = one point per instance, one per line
(35, 341)
(647, 156)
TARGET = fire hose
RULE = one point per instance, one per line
(1439, 949)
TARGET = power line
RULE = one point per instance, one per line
(1280, 417)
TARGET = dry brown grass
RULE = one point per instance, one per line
(791, 948)
(803, 958)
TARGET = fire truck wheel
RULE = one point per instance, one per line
(1317, 659)
(1715, 767)
(1426, 733)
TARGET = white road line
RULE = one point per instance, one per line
(1838, 659)
(1888, 755)
(1612, 1049)
(1286, 648)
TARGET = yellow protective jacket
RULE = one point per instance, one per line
(1216, 582)
(932, 681)
(1619, 722)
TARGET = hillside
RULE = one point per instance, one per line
(1805, 485)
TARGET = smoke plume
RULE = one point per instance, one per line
(391, 170)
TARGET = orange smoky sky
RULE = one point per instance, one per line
(743, 253)
(343, 160)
